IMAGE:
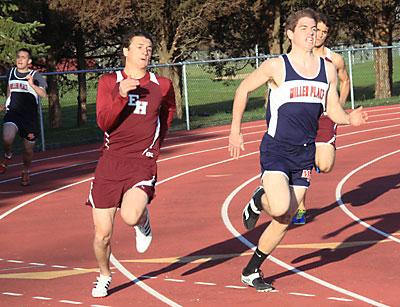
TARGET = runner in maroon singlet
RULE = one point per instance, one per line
(134, 109)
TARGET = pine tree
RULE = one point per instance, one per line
(15, 35)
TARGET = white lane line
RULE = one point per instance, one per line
(368, 130)
(33, 263)
(236, 287)
(302, 294)
(340, 299)
(58, 157)
(50, 170)
(213, 132)
(141, 284)
(148, 277)
(42, 298)
(59, 266)
(380, 115)
(12, 294)
(236, 234)
(348, 212)
(204, 283)
(70, 302)
(39, 197)
(18, 268)
(15, 261)
(369, 141)
(203, 167)
(174, 280)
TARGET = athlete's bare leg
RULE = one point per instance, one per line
(133, 206)
(324, 159)
(103, 227)
(9, 132)
(27, 155)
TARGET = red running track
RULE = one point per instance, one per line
(346, 255)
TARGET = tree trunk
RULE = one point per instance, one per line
(382, 84)
(53, 98)
(174, 74)
(382, 36)
(275, 43)
(82, 89)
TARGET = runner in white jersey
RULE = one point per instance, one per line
(326, 135)
(24, 88)
(300, 82)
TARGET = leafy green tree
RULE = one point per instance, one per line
(180, 28)
(15, 35)
(91, 26)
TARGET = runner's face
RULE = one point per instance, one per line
(322, 34)
(304, 33)
(139, 52)
(22, 60)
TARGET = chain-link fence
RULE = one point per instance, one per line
(208, 88)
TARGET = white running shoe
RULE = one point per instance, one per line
(101, 286)
(143, 235)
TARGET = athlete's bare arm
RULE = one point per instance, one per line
(39, 90)
(344, 80)
(269, 71)
(334, 108)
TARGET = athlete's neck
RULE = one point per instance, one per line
(135, 73)
(24, 70)
(301, 57)
(320, 51)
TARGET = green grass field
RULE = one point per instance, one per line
(210, 102)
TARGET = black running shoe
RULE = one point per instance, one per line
(252, 211)
(256, 280)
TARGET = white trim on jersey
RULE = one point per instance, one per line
(90, 198)
(301, 75)
(153, 78)
(328, 54)
(120, 77)
(107, 140)
(21, 80)
(156, 135)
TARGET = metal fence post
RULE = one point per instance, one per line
(41, 124)
(185, 95)
(256, 55)
(349, 54)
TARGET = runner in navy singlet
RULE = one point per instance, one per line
(24, 88)
(134, 108)
(303, 85)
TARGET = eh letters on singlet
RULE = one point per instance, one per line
(307, 90)
(140, 106)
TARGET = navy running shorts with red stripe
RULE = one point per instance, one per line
(294, 161)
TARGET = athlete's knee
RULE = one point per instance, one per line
(284, 219)
(277, 211)
(102, 237)
(325, 168)
(131, 217)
